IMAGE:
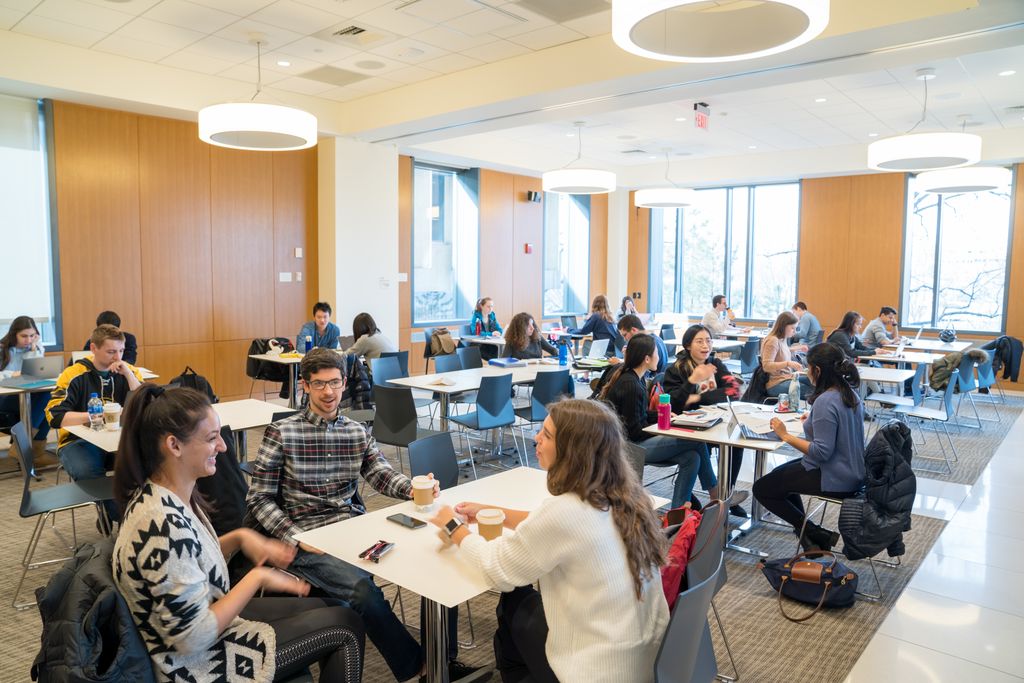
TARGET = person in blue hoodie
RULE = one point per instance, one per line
(485, 318)
(23, 341)
(320, 329)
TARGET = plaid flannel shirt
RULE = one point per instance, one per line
(307, 471)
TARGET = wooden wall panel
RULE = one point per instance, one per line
(497, 241)
(638, 263)
(405, 200)
(174, 203)
(170, 361)
(877, 206)
(528, 285)
(824, 247)
(599, 250)
(229, 378)
(243, 259)
(97, 184)
(1015, 293)
(294, 219)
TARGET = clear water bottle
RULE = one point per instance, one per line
(794, 391)
(309, 343)
(95, 410)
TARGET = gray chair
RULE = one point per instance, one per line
(396, 422)
(547, 388)
(435, 454)
(403, 360)
(686, 654)
(43, 503)
(494, 410)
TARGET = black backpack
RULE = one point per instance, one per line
(189, 378)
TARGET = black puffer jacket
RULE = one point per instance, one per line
(88, 632)
(878, 518)
(358, 386)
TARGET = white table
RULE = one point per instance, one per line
(484, 340)
(291, 362)
(420, 562)
(935, 345)
(726, 344)
(905, 357)
(884, 375)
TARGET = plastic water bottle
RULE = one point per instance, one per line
(794, 392)
(664, 411)
(309, 343)
(563, 352)
(95, 410)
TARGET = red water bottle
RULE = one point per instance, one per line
(664, 411)
(479, 329)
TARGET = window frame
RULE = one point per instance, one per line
(937, 254)
(543, 233)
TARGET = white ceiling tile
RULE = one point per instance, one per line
(533, 21)
(82, 14)
(160, 34)
(25, 6)
(190, 15)
(348, 8)
(438, 11)
(306, 86)
(144, 50)
(9, 17)
(240, 8)
(865, 80)
(394, 21)
(546, 37)
(481, 21)
(132, 7)
(297, 17)
(498, 50)
(451, 63)
(318, 50)
(411, 74)
(409, 51)
(884, 93)
(242, 31)
(343, 94)
(374, 85)
(451, 41)
(196, 61)
(58, 31)
(230, 51)
(370, 64)
(592, 25)
(296, 65)
(248, 73)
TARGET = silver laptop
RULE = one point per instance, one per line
(919, 331)
(598, 348)
(749, 432)
(36, 371)
(899, 349)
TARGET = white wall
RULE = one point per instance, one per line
(358, 231)
(618, 242)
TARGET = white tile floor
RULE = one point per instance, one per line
(962, 615)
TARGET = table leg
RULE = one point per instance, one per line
(241, 445)
(442, 411)
(293, 385)
(435, 641)
(755, 507)
(25, 409)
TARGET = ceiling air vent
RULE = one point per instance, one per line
(355, 36)
(352, 30)
(561, 11)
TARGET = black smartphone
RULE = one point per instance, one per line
(407, 521)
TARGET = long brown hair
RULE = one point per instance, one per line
(515, 335)
(848, 324)
(638, 348)
(600, 305)
(10, 340)
(591, 462)
(785, 319)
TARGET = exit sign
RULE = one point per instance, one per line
(701, 115)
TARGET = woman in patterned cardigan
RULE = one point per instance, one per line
(171, 567)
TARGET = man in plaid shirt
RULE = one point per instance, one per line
(305, 477)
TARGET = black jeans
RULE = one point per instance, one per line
(779, 490)
(519, 641)
(310, 630)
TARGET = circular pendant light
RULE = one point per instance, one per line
(924, 151)
(959, 180)
(665, 197)
(253, 126)
(715, 30)
(578, 181)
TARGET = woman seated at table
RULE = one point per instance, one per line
(833, 450)
(600, 324)
(171, 569)
(626, 392)
(22, 341)
(595, 549)
(484, 322)
(627, 307)
(777, 357)
(369, 341)
(523, 340)
(845, 337)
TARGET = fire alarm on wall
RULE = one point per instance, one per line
(527, 248)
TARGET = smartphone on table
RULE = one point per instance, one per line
(407, 521)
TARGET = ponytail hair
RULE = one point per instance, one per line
(150, 414)
(834, 371)
(638, 348)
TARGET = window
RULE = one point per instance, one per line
(737, 241)
(29, 277)
(445, 244)
(566, 253)
(955, 251)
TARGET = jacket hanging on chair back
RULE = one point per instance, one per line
(191, 379)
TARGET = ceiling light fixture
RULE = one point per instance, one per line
(819, 100)
(578, 180)
(283, 62)
(960, 180)
(254, 126)
(702, 31)
(1008, 72)
(924, 151)
(674, 197)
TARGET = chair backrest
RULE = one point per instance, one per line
(494, 402)
(706, 553)
(686, 653)
(916, 384)
(668, 332)
(986, 376)
(547, 388)
(568, 321)
(435, 454)
(966, 369)
(749, 356)
(403, 360)
(395, 421)
(279, 415)
(636, 456)
(449, 363)
(470, 357)
(19, 438)
(467, 330)
(428, 332)
(947, 395)
(384, 370)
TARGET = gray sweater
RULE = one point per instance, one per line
(836, 433)
(372, 345)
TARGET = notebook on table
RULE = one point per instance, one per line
(696, 419)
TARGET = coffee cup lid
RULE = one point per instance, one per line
(111, 407)
(490, 516)
(422, 482)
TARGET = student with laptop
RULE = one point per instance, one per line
(833, 450)
(626, 393)
(876, 333)
(807, 328)
(370, 342)
(523, 340)
(600, 324)
(23, 342)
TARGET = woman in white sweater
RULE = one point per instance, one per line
(594, 547)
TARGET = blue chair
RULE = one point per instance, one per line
(470, 357)
(686, 653)
(435, 455)
(968, 387)
(987, 380)
(938, 416)
(547, 388)
(493, 411)
(449, 363)
(385, 369)
(403, 360)
(396, 422)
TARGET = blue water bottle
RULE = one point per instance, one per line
(563, 352)
(309, 343)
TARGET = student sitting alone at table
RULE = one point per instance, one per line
(777, 358)
(600, 324)
(876, 333)
(523, 340)
(594, 548)
(170, 566)
(484, 323)
(833, 450)
(626, 393)
(131, 346)
(322, 332)
(369, 341)
(22, 342)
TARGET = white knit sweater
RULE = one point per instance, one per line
(597, 629)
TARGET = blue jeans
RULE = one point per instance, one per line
(83, 460)
(783, 388)
(356, 587)
(38, 400)
(691, 458)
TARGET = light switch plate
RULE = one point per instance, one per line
(298, 252)
(298, 276)
(284, 277)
